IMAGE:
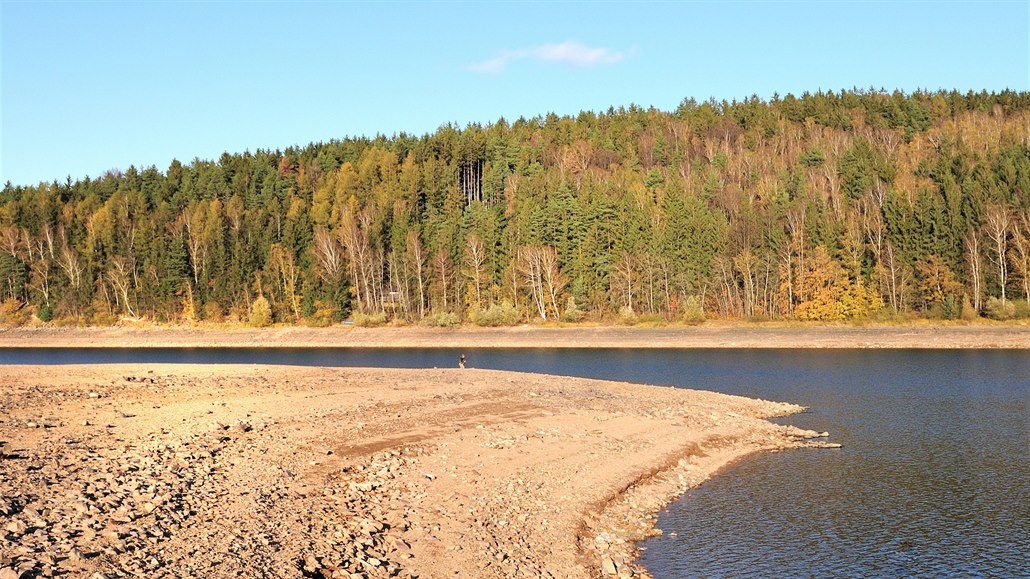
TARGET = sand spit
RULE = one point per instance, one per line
(1007, 336)
(247, 471)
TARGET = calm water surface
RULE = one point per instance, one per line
(933, 479)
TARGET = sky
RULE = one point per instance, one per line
(89, 87)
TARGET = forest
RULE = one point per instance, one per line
(850, 205)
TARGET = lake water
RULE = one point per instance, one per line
(933, 479)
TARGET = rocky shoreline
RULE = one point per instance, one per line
(231, 471)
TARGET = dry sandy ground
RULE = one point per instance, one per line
(706, 336)
(241, 471)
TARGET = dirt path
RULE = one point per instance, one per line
(708, 336)
(233, 471)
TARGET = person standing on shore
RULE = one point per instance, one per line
(461, 362)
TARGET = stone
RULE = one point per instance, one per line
(608, 566)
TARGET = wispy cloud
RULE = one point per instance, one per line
(568, 53)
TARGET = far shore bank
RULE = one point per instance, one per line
(979, 336)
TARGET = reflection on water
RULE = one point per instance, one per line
(933, 479)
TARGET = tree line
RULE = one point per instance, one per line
(827, 206)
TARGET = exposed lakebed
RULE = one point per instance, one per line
(933, 479)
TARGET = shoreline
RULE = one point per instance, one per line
(211, 470)
(980, 336)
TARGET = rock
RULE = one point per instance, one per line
(10, 573)
(608, 566)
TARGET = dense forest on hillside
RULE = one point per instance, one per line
(827, 206)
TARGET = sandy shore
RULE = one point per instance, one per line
(225, 471)
(707, 336)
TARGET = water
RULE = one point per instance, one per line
(933, 479)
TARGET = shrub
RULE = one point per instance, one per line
(369, 320)
(627, 316)
(260, 312)
(213, 312)
(45, 313)
(951, 308)
(1022, 309)
(968, 312)
(441, 320)
(813, 158)
(323, 315)
(693, 313)
(70, 321)
(103, 318)
(651, 320)
(572, 312)
(503, 314)
(998, 310)
(12, 313)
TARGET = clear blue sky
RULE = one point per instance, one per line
(91, 86)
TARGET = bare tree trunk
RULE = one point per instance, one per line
(894, 275)
(973, 258)
(998, 222)
(626, 269)
(41, 279)
(652, 281)
(475, 259)
(120, 277)
(328, 256)
(787, 256)
(68, 260)
(530, 267)
(444, 271)
(553, 278)
(745, 264)
(353, 234)
(417, 255)
(1021, 252)
(796, 225)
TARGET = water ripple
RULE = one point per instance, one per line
(933, 481)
